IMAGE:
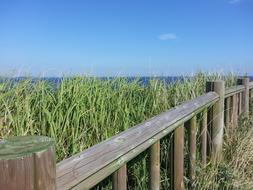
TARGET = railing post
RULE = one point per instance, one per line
(192, 149)
(235, 110)
(177, 168)
(27, 162)
(203, 135)
(240, 102)
(154, 166)
(250, 99)
(119, 181)
(245, 95)
(227, 112)
(218, 119)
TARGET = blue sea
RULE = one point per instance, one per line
(142, 80)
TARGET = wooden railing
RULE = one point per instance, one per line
(84, 170)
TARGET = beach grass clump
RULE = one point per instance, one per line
(79, 112)
(234, 171)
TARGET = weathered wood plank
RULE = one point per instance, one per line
(87, 168)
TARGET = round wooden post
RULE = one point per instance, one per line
(235, 111)
(240, 102)
(177, 168)
(27, 163)
(203, 135)
(119, 181)
(227, 111)
(192, 149)
(250, 99)
(154, 166)
(245, 95)
(218, 119)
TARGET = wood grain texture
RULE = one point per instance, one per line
(218, 119)
(154, 166)
(86, 169)
(17, 173)
(45, 169)
(235, 111)
(192, 151)
(240, 103)
(119, 181)
(27, 163)
(203, 136)
(228, 109)
(178, 175)
(245, 96)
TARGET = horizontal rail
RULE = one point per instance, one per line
(234, 90)
(250, 85)
(87, 168)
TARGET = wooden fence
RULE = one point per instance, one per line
(29, 162)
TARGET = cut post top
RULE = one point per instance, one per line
(21, 146)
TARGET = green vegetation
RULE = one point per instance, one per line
(234, 172)
(82, 111)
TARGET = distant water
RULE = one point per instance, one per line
(142, 80)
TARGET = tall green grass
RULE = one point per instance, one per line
(234, 172)
(82, 111)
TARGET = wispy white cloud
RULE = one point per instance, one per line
(167, 36)
(234, 1)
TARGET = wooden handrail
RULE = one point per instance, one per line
(250, 85)
(234, 90)
(86, 169)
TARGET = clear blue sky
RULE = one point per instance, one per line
(125, 37)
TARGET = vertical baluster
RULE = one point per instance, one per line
(120, 179)
(235, 115)
(178, 159)
(154, 166)
(204, 138)
(245, 95)
(239, 96)
(227, 112)
(192, 149)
